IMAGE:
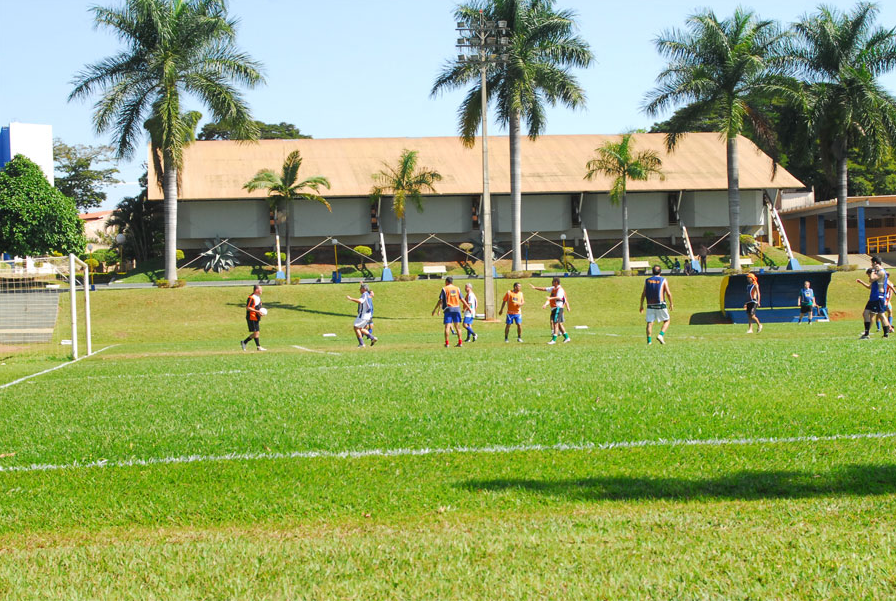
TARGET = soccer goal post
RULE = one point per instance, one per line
(33, 299)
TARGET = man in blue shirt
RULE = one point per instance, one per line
(878, 282)
(806, 302)
(656, 292)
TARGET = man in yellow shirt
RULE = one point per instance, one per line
(514, 302)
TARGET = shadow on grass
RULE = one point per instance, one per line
(853, 480)
(708, 318)
(302, 309)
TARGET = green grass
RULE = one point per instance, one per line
(775, 520)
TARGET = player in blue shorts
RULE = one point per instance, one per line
(470, 313)
(806, 302)
(514, 302)
(878, 282)
(450, 302)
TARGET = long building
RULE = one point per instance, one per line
(556, 197)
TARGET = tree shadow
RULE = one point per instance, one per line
(708, 318)
(853, 480)
(302, 309)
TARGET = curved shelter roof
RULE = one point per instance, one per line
(550, 164)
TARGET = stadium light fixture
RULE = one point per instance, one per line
(484, 43)
(335, 253)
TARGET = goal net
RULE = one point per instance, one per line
(42, 302)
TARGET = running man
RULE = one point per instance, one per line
(470, 312)
(557, 301)
(806, 302)
(878, 281)
(514, 301)
(365, 315)
(659, 302)
(753, 302)
(253, 318)
(450, 302)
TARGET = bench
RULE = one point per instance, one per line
(431, 270)
(639, 265)
(534, 267)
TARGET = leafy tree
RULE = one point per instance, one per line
(266, 131)
(140, 220)
(35, 217)
(543, 48)
(719, 70)
(405, 182)
(173, 48)
(76, 177)
(619, 161)
(840, 57)
(283, 189)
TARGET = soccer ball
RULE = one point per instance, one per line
(263, 311)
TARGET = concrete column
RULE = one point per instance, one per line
(802, 235)
(821, 234)
(860, 220)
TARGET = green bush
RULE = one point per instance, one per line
(179, 255)
(406, 278)
(272, 256)
(364, 250)
(308, 259)
(179, 284)
(626, 272)
(162, 283)
(93, 264)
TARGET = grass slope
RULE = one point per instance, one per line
(781, 520)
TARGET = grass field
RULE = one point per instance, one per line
(173, 465)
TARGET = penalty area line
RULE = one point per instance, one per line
(311, 350)
(498, 449)
(60, 366)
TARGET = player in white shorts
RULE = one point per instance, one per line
(659, 302)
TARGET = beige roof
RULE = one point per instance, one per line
(218, 169)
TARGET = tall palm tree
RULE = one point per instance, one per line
(283, 189)
(619, 161)
(542, 50)
(840, 56)
(719, 70)
(173, 48)
(405, 182)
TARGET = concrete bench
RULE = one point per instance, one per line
(534, 267)
(639, 265)
(431, 270)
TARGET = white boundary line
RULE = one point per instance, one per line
(711, 442)
(302, 348)
(60, 366)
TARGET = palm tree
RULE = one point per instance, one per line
(542, 50)
(619, 161)
(173, 48)
(405, 182)
(840, 56)
(719, 70)
(282, 190)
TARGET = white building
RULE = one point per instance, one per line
(30, 140)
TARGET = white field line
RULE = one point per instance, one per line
(60, 366)
(500, 449)
(302, 348)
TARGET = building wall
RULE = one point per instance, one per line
(710, 209)
(792, 227)
(645, 211)
(201, 220)
(445, 214)
(540, 213)
(30, 140)
(349, 217)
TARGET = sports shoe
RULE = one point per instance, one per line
(552, 342)
(660, 339)
(864, 337)
(567, 339)
(505, 340)
(519, 339)
(360, 345)
(374, 340)
(261, 348)
(446, 344)
(243, 344)
(459, 343)
(760, 329)
(475, 336)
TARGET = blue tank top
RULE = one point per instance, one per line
(750, 297)
(879, 288)
(653, 288)
(807, 296)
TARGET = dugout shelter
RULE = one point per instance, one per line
(779, 293)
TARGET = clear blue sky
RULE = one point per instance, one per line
(352, 68)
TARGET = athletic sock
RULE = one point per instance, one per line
(246, 341)
(257, 341)
(867, 327)
(648, 340)
(566, 336)
(554, 338)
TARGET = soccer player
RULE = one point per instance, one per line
(806, 301)
(450, 302)
(878, 281)
(753, 302)
(514, 302)
(365, 315)
(253, 318)
(470, 312)
(657, 293)
(557, 301)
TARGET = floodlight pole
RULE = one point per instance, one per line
(483, 36)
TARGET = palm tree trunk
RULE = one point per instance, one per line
(405, 270)
(516, 201)
(734, 203)
(288, 253)
(277, 239)
(842, 174)
(626, 259)
(169, 189)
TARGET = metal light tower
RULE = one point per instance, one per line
(484, 43)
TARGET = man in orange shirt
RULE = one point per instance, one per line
(450, 301)
(514, 301)
(254, 313)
